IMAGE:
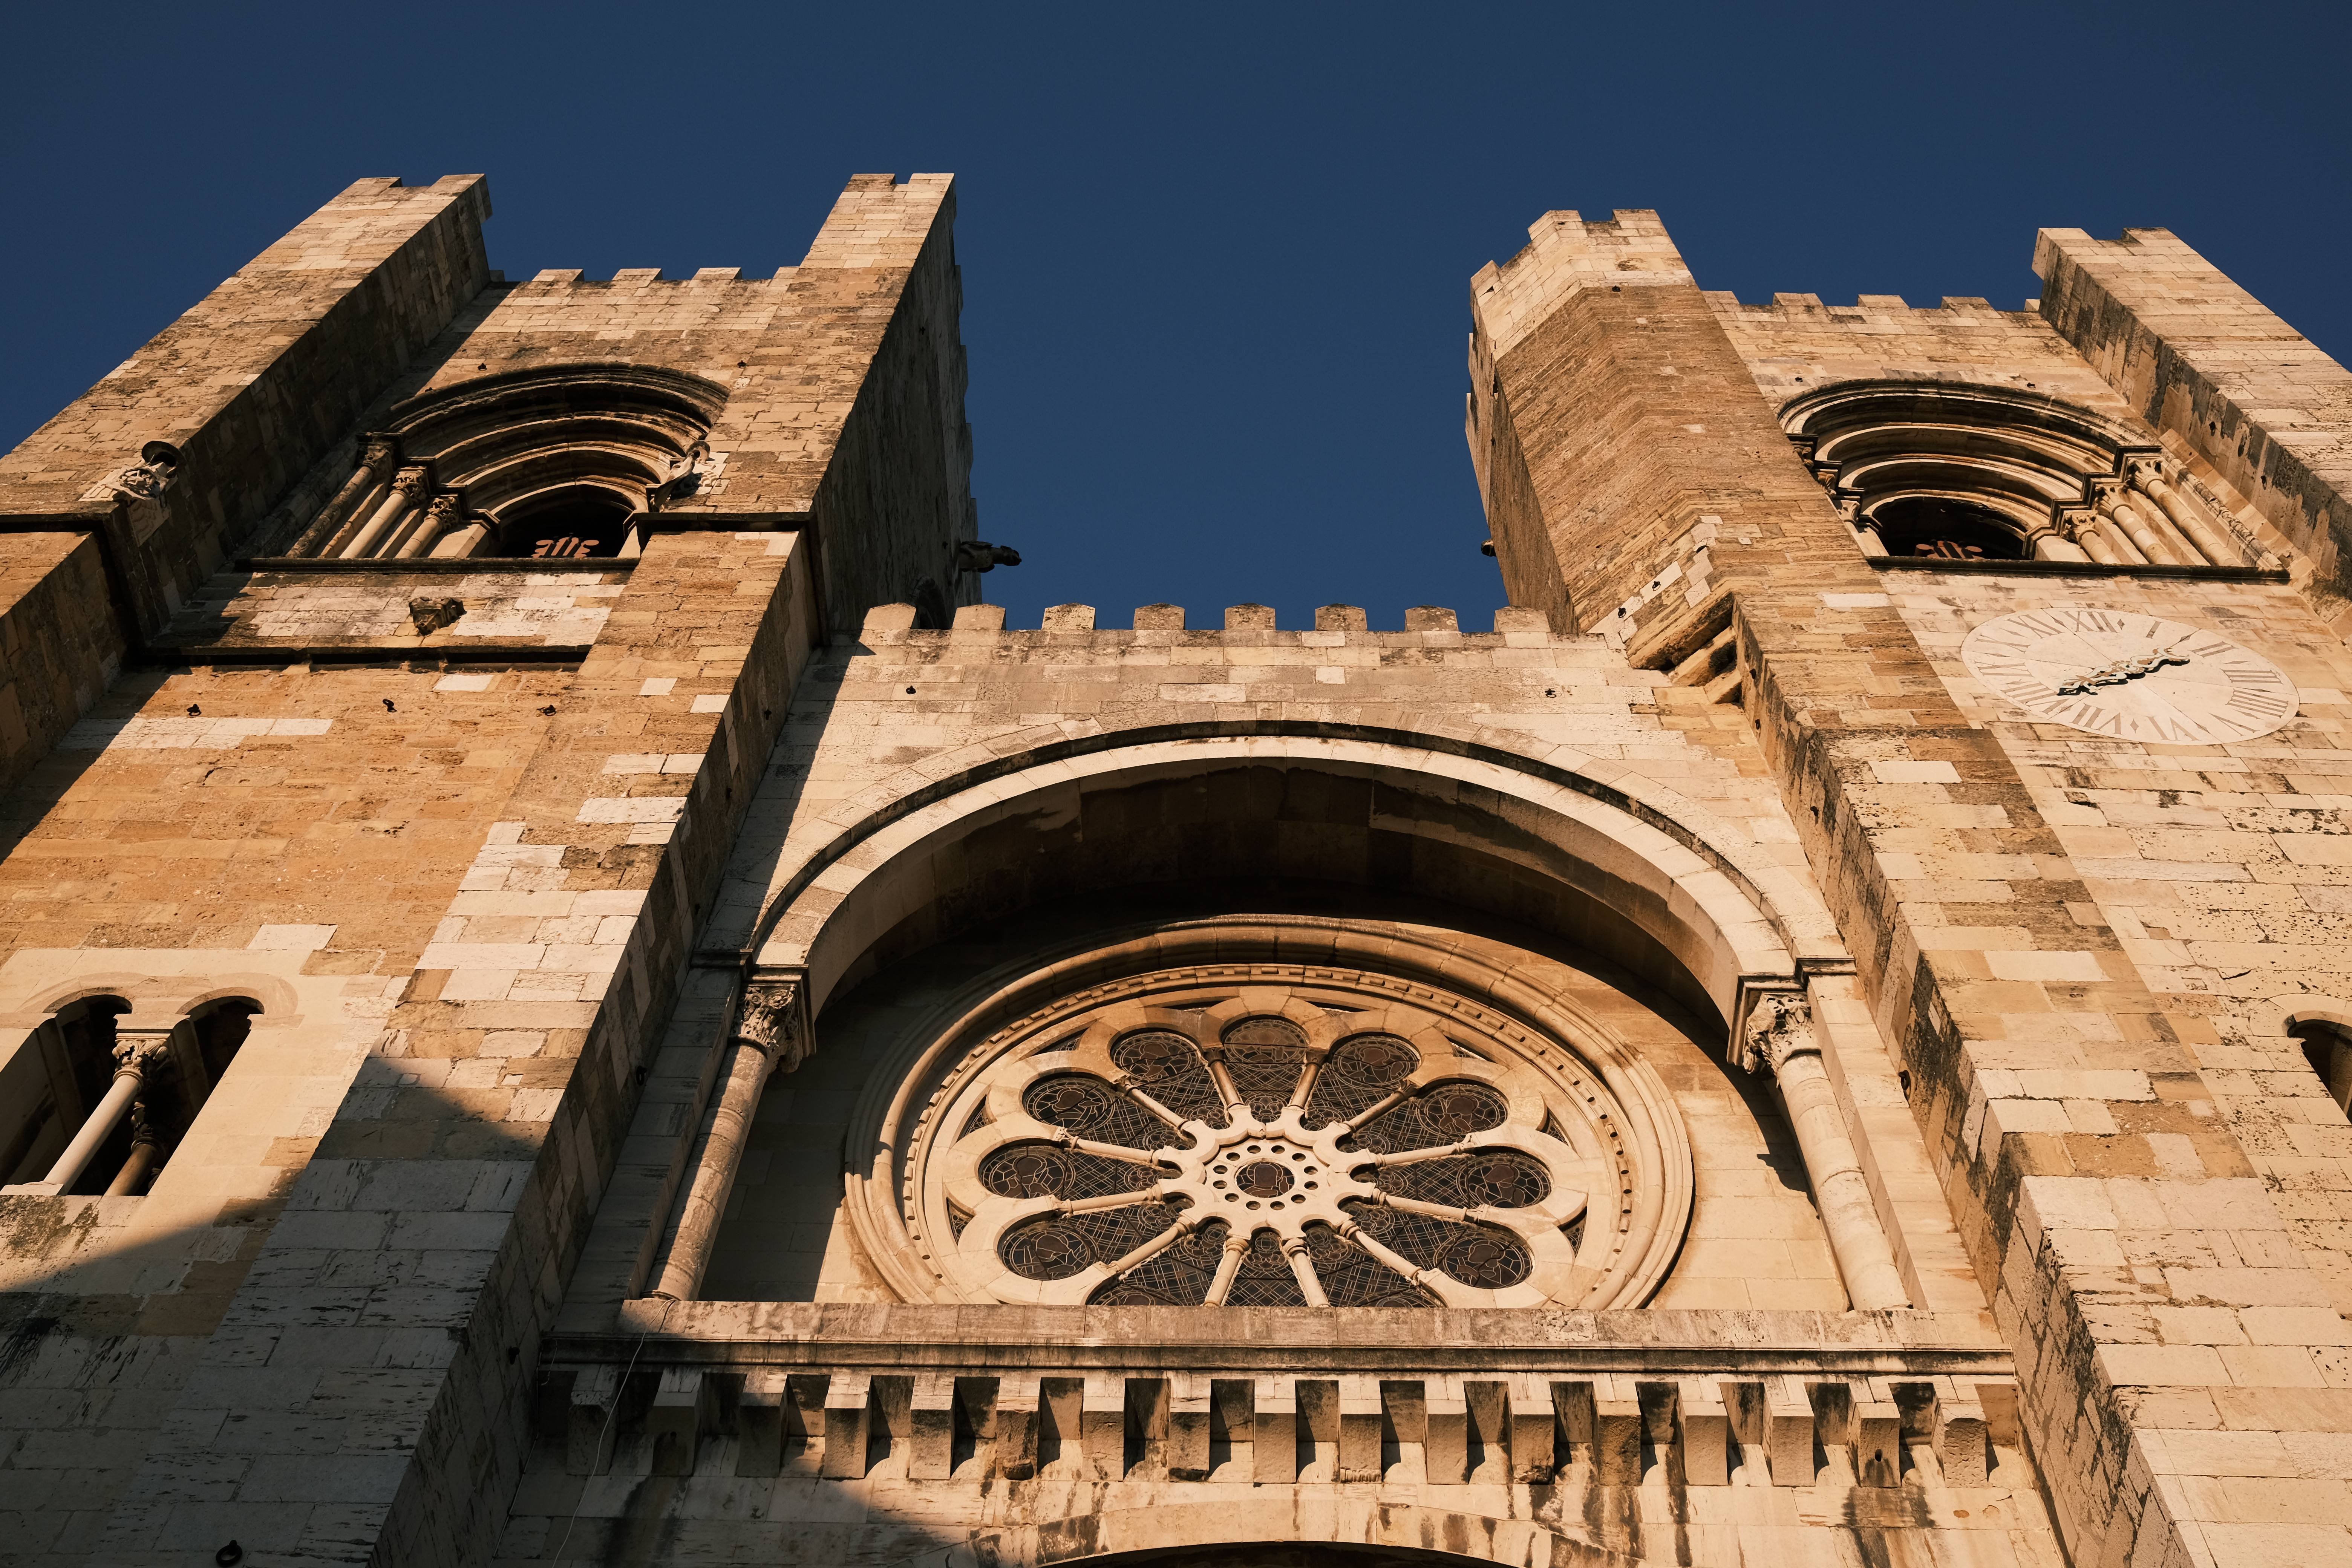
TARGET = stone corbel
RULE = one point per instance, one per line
(139, 488)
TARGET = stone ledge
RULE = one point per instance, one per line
(1291, 1338)
(473, 566)
(2075, 569)
(413, 650)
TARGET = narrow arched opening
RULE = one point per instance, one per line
(91, 1105)
(2328, 1049)
(50, 1086)
(1947, 528)
(584, 519)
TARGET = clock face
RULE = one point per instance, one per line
(2129, 676)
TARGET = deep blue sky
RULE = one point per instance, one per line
(1216, 259)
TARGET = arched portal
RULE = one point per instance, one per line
(1619, 865)
(1517, 934)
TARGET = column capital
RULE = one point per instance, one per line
(1780, 1025)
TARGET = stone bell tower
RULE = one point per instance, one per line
(2033, 616)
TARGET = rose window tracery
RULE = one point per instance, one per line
(1253, 1146)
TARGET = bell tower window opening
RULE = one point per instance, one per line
(550, 462)
(574, 521)
(1959, 472)
(94, 1104)
(1947, 528)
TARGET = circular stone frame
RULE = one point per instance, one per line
(1583, 1105)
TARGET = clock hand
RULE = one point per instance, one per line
(2120, 671)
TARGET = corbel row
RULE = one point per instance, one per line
(1524, 1428)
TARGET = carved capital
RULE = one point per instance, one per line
(143, 1126)
(412, 481)
(378, 453)
(135, 1056)
(1780, 1025)
(770, 1021)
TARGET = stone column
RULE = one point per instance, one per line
(2148, 479)
(146, 1153)
(769, 1036)
(2120, 517)
(1778, 1037)
(409, 484)
(446, 514)
(135, 1056)
(2047, 543)
(376, 459)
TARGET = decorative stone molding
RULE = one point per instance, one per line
(770, 1022)
(139, 488)
(1779, 1025)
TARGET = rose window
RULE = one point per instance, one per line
(1290, 1145)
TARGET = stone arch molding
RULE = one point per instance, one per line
(1728, 914)
(2065, 482)
(1278, 1518)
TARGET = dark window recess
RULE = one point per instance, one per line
(2329, 1052)
(584, 519)
(48, 1092)
(1951, 530)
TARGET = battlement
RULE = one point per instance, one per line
(879, 222)
(1865, 307)
(1335, 625)
(1564, 254)
(639, 277)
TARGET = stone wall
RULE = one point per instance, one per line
(60, 646)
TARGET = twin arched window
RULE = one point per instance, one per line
(96, 1099)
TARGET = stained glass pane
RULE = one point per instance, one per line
(1039, 1170)
(1264, 1057)
(1054, 1246)
(1170, 1071)
(1474, 1254)
(1502, 1178)
(1179, 1276)
(1265, 1279)
(1092, 1109)
(1442, 1114)
(1358, 1074)
(1354, 1277)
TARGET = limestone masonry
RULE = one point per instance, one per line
(570, 994)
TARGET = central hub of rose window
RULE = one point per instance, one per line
(1263, 1173)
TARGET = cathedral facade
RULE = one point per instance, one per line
(570, 992)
